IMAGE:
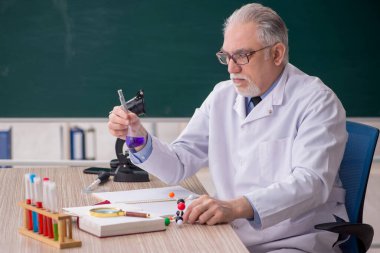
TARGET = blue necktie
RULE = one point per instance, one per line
(255, 100)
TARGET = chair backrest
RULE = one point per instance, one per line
(355, 166)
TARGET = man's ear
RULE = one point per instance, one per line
(278, 53)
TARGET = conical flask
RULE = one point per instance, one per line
(134, 139)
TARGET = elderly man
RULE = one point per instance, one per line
(273, 138)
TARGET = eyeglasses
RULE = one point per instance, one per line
(240, 58)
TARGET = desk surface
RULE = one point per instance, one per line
(70, 182)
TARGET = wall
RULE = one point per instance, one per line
(64, 58)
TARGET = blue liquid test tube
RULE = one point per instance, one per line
(33, 201)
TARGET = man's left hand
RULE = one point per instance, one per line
(211, 211)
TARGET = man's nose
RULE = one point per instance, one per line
(233, 67)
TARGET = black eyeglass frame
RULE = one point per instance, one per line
(229, 57)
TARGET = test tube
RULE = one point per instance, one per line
(38, 191)
(29, 219)
(45, 204)
(33, 201)
(54, 206)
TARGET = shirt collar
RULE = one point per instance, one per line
(247, 99)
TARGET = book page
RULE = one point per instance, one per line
(145, 195)
(163, 209)
(85, 210)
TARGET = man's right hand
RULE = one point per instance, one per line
(119, 120)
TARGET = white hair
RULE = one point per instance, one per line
(271, 28)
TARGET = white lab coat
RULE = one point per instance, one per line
(284, 157)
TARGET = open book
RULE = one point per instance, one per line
(112, 226)
(153, 200)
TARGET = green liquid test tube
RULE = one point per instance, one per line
(55, 231)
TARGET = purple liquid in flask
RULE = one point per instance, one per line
(133, 142)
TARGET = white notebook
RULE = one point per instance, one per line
(113, 226)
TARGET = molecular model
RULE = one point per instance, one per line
(180, 206)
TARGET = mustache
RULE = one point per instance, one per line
(239, 76)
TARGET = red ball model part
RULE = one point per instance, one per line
(181, 206)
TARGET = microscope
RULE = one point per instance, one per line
(122, 169)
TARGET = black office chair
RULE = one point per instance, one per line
(354, 173)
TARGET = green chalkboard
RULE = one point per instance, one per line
(61, 58)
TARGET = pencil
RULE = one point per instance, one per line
(135, 214)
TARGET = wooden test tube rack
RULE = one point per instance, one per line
(65, 232)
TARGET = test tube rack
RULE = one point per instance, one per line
(65, 232)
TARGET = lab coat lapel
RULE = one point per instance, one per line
(267, 106)
(239, 107)
(261, 110)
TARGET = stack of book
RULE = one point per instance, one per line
(5, 145)
(82, 143)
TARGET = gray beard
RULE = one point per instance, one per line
(252, 91)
